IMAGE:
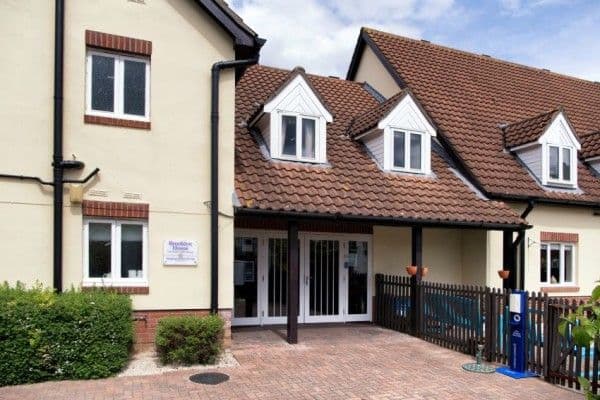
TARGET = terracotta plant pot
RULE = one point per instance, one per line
(425, 271)
(503, 273)
(411, 270)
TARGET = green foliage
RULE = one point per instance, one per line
(585, 328)
(189, 340)
(74, 335)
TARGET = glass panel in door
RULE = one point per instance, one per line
(277, 278)
(358, 268)
(245, 279)
(323, 278)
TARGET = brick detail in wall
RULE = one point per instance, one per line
(559, 237)
(125, 123)
(119, 289)
(118, 43)
(112, 209)
(146, 322)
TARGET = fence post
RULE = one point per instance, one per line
(377, 310)
(415, 305)
(489, 324)
(550, 342)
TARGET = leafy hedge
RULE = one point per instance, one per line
(74, 335)
(189, 340)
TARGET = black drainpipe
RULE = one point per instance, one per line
(519, 242)
(214, 175)
(57, 157)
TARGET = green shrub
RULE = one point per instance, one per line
(189, 340)
(74, 335)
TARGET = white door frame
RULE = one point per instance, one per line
(263, 237)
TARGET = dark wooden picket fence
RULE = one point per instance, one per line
(567, 361)
(460, 317)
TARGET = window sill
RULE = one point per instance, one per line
(109, 121)
(560, 289)
(121, 289)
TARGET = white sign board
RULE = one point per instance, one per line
(180, 252)
(515, 303)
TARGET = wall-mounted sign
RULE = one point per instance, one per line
(180, 252)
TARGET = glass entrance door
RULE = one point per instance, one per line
(322, 281)
(358, 278)
(245, 277)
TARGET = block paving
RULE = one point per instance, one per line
(353, 361)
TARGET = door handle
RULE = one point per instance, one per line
(306, 280)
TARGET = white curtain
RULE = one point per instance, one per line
(308, 138)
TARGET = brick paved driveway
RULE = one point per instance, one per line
(336, 362)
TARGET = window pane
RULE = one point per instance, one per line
(566, 164)
(568, 263)
(544, 263)
(99, 249)
(103, 83)
(415, 151)
(134, 88)
(288, 132)
(131, 251)
(308, 138)
(553, 160)
(399, 146)
(554, 263)
(245, 278)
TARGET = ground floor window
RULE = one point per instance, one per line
(115, 251)
(557, 263)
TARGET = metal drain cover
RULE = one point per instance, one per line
(209, 378)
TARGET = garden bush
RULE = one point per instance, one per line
(73, 335)
(189, 339)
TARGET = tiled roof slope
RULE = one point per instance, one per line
(369, 119)
(528, 130)
(350, 184)
(590, 145)
(468, 96)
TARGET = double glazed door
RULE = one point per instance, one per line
(334, 278)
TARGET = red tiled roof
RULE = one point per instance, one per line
(469, 96)
(528, 130)
(364, 122)
(351, 184)
(590, 145)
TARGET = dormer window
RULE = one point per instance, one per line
(547, 145)
(397, 134)
(298, 137)
(408, 151)
(559, 164)
(293, 122)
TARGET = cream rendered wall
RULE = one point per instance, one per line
(167, 165)
(474, 257)
(26, 40)
(371, 70)
(565, 219)
(452, 255)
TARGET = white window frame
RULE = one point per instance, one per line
(407, 136)
(561, 281)
(115, 273)
(299, 117)
(118, 100)
(573, 164)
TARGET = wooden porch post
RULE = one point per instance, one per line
(509, 259)
(416, 260)
(293, 299)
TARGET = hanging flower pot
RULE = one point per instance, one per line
(503, 273)
(424, 271)
(411, 270)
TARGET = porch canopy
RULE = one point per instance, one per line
(351, 187)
